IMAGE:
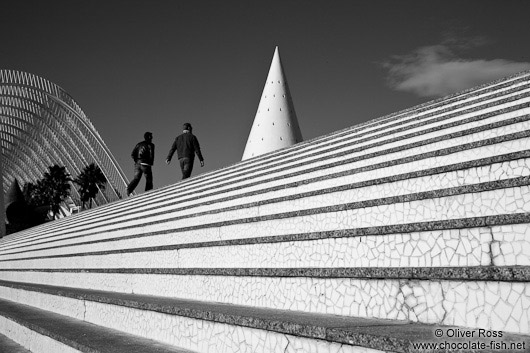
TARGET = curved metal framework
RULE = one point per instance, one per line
(41, 125)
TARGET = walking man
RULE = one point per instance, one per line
(143, 155)
(186, 145)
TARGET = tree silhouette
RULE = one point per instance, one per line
(35, 200)
(54, 187)
(33, 195)
(90, 181)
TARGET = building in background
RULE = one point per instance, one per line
(41, 125)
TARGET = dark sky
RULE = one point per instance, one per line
(136, 66)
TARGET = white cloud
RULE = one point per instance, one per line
(434, 71)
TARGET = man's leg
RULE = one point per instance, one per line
(148, 177)
(186, 165)
(136, 179)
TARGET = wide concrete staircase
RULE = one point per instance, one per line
(378, 237)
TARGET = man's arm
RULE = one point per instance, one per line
(134, 153)
(171, 151)
(197, 148)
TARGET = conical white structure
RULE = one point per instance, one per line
(275, 125)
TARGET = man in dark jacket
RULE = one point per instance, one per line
(186, 145)
(143, 155)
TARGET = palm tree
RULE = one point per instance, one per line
(90, 181)
(32, 194)
(54, 187)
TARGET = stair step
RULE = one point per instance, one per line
(456, 242)
(450, 205)
(384, 335)
(76, 335)
(426, 295)
(9, 346)
(437, 174)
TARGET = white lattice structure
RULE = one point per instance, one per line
(41, 125)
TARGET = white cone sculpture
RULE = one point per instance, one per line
(275, 125)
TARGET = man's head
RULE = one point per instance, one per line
(187, 126)
(148, 136)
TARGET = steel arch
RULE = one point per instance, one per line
(42, 125)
